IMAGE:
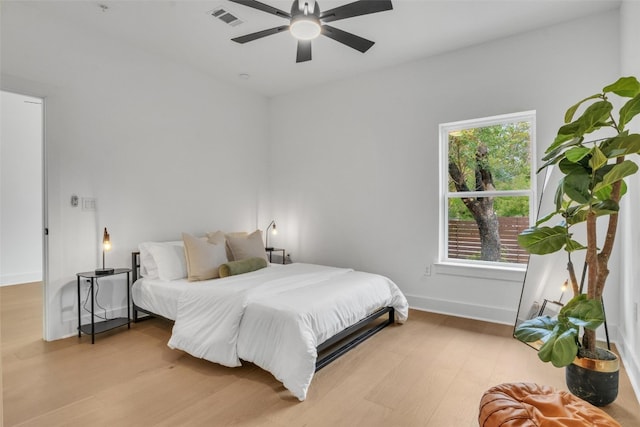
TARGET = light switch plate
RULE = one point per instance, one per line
(88, 204)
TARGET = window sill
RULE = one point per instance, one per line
(508, 274)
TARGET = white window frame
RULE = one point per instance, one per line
(445, 194)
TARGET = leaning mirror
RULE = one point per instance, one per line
(544, 289)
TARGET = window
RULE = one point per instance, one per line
(487, 186)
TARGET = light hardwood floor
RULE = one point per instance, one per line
(431, 371)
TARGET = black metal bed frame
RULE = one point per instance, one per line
(346, 340)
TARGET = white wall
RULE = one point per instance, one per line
(21, 194)
(162, 148)
(355, 163)
(629, 341)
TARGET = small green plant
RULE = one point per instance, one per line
(590, 190)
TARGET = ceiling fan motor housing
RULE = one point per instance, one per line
(305, 21)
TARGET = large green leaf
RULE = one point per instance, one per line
(568, 117)
(624, 86)
(598, 159)
(558, 197)
(578, 217)
(546, 218)
(629, 111)
(621, 145)
(604, 193)
(576, 185)
(606, 207)
(565, 348)
(551, 153)
(582, 311)
(573, 246)
(576, 154)
(546, 351)
(538, 328)
(561, 346)
(550, 162)
(567, 166)
(594, 117)
(565, 133)
(617, 172)
(543, 240)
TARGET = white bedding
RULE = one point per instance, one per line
(274, 317)
(158, 296)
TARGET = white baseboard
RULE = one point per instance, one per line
(16, 279)
(460, 309)
(631, 364)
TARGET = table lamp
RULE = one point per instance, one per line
(106, 246)
(266, 237)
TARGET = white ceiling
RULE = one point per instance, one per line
(184, 32)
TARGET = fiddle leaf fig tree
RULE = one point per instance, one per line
(589, 191)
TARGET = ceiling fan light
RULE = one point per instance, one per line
(305, 27)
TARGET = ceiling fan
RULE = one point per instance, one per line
(306, 22)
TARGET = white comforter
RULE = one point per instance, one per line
(277, 316)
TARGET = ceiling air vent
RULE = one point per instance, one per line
(225, 16)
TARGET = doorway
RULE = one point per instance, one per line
(22, 195)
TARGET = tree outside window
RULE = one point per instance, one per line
(487, 179)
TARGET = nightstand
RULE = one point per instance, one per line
(270, 252)
(94, 327)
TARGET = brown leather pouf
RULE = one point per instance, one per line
(532, 405)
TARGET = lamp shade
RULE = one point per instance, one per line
(106, 246)
(106, 240)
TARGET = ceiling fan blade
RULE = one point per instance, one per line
(351, 40)
(304, 51)
(260, 34)
(263, 7)
(357, 8)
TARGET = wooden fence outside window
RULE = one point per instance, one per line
(464, 239)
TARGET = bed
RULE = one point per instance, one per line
(290, 320)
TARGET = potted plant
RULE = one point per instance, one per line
(589, 192)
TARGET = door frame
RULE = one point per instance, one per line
(44, 213)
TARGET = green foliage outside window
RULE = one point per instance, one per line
(508, 147)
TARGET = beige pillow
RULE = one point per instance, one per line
(249, 246)
(216, 237)
(233, 234)
(203, 258)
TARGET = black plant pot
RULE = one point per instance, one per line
(594, 380)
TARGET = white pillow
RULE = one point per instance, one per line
(203, 258)
(148, 266)
(169, 260)
(243, 247)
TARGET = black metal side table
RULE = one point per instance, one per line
(94, 327)
(270, 252)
